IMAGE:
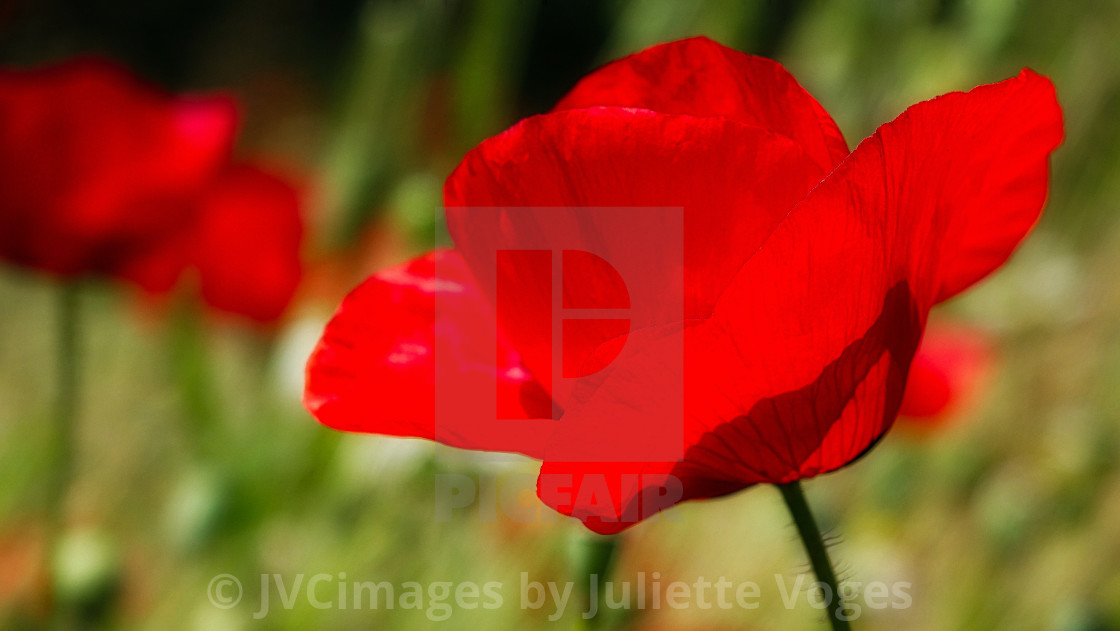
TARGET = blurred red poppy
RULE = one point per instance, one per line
(94, 164)
(104, 174)
(947, 373)
(807, 275)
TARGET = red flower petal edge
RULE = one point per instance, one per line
(374, 368)
(700, 77)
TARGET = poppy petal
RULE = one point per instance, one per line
(998, 177)
(374, 369)
(700, 77)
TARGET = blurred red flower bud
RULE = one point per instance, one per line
(247, 250)
(951, 367)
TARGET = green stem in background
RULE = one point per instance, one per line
(595, 556)
(64, 418)
(371, 142)
(818, 554)
(62, 440)
(191, 370)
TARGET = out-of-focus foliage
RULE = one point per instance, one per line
(196, 459)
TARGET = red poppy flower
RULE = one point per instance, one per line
(95, 164)
(807, 274)
(104, 174)
(950, 366)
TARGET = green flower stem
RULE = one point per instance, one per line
(191, 370)
(595, 556)
(62, 441)
(818, 554)
(63, 423)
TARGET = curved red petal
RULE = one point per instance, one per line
(700, 77)
(374, 370)
(997, 180)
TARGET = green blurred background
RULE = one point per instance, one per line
(195, 457)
